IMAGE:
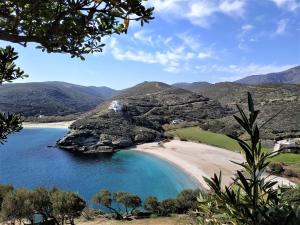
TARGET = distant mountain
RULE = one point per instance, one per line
(50, 98)
(104, 92)
(146, 107)
(269, 99)
(290, 76)
(195, 86)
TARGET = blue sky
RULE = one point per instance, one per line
(189, 40)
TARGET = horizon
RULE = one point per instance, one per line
(201, 81)
(212, 41)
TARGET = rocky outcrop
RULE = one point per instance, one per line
(140, 121)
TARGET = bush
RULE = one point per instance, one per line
(167, 207)
(290, 173)
(183, 139)
(186, 200)
(151, 204)
(275, 168)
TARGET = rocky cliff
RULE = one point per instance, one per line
(146, 107)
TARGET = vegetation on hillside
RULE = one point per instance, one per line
(48, 99)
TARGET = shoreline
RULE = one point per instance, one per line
(63, 124)
(198, 160)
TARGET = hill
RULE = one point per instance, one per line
(50, 98)
(290, 76)
(269, 99)
(146, 107)
(195, 86)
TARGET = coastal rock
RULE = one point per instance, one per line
(145, 109)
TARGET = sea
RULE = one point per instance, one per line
(26, 160)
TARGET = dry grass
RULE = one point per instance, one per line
(173, 220)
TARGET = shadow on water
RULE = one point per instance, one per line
(90, 158)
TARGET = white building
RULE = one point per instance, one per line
(290, 145)
(116, 106)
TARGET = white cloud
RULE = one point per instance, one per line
(281, 27)
(174, 54)
(205, 55)
(190, 40)
(291, 5)
(198, 12)
(234, 72)
(247, 27)
(144, 37)
(233, 7)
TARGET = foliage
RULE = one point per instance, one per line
(18, 205)
(167, 206)
(186, 201)
(8, 70)
(9, 123)
(151, 204)
(66, 206)
(252, 198)
(104, 198)
(68, 26)
(42, 203)
(53, 205)
(4, 190)
(125, 199)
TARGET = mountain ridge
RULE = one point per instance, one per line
(52, 98)
(290, 76)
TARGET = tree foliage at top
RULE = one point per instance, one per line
(68, 26)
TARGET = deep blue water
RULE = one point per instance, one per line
(26, 161)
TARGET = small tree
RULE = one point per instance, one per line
(104, 198)
(128, 200)
(18, 205)
(186, 200)
(66, 206)
(167, 207)
(151, 204)
(42, 203)
(4, 190)
(252, 198)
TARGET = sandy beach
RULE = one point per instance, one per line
(64, 124)
(199, 160)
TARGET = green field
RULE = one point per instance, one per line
(198, 135)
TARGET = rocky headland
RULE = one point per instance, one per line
(145, 109)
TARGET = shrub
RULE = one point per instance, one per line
(290, 173)
(276, 168)
(151, 204)
(186, 200)
(167, 207)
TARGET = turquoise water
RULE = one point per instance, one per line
(26, 161)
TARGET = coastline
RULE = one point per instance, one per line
(199, 160)
(63, 124)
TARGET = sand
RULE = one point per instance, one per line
(200, 160)
(64, 124)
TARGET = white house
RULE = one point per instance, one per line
(290, 145)
(116, 106)
(177, 121)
